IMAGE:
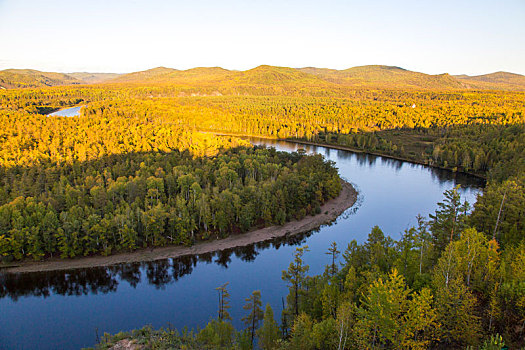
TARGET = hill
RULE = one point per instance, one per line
(377, 76)
(20, 78)
(361, 77)
(368, 77)
(261, 75)
(93, 78)
(201, 74)
(497, 81)
(154, 74)
(264, 75)
(170, 75)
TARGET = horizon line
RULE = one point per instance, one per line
(260, 65)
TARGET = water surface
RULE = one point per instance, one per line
(67, 112)
(66, 309)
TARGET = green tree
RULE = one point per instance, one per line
(253, 305)
(423, 240)
(334, 253)
(391, 315)
(295, 275)
(325, 334)
(218, 334)
(449, 219)
(302, 335)
(379, 315)
(269, 332)
(455, 303)
(224, 302)
(499, 212)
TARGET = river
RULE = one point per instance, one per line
(67, 309)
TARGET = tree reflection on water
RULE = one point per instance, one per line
(106, 279)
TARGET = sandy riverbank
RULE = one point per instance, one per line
(329, 212)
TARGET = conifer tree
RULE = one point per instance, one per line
(224, 302)
(295, 275)
(334, 253)
(449, 219)
(253, 305)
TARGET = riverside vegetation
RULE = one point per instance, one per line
(134, 170)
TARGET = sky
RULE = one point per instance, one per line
(430, 36)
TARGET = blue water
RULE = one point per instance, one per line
(68, 112)
(64, 310)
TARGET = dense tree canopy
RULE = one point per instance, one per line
(122, 202)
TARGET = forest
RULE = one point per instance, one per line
(123, 202)
(142, 166)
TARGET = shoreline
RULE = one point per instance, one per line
(347, 148)
(330, 211)
(379, 154)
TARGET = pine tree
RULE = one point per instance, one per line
(334, 253)
(295, 276)
(224, 302)
(449, 219)
(252, 319)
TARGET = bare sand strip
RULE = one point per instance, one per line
(329, 212)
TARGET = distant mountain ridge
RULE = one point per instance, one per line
(361, 77)
(21, 78)
(372, 76)
(16, 78)
(166, 75)
(376, 76)
(92, 78)
(500, 80)
(263, 75)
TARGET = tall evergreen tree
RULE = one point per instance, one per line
(224, 302)
(334, 253)
(255, 315)
(295, 275)
(449, 219)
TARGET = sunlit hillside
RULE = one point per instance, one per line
(377, 76)
(23, 78)
(497, 80)
(169, 75)
(275, 78)
(93, 78)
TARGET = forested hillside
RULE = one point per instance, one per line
(497, 80)
(386, 77)
(462, 131)
(92, 78)
(30, 78)
(24, 78)
(362, 77)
